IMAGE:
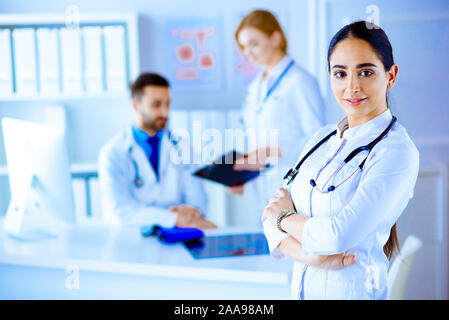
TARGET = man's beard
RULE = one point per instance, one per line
(156, 124)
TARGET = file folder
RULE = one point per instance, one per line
(49, 64)
(114, 40)
(25, 61)
(6, 87)
(93, 70)
(71, 61)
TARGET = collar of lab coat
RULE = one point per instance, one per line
(380, 122)
(277, 70)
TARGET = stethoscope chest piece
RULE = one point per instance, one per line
(138, 182)
(290, 176)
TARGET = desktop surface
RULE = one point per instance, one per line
(123, 253)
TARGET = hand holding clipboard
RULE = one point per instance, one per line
(257, 160)
(222, 170)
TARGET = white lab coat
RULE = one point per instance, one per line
(125, 204)
(357, 216)
(293, 113)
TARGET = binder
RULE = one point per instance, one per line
(47, 44)
(25, 61)
(93, 62)
(6, 87)
(114, 40)
(71, 60)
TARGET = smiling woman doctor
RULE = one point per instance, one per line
(352, 181)
(283, 99)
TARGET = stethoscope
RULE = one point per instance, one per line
(275, 84)
(138, 181)
(291, 174)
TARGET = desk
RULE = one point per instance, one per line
(99, 262)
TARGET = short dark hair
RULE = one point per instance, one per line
(147, 79)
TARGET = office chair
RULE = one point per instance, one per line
(399, 272)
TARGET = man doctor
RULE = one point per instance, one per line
(140, 184)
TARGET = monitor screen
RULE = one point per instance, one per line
(39, 177)
(228, 245)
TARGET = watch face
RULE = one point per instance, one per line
(283, 214)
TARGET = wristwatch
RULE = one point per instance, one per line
(281, 215)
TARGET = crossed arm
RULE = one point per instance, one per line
(293, 225)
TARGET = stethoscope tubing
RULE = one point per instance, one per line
(291, 174)
(138, 181)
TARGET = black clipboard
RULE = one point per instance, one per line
(228, 245)
(221, 171)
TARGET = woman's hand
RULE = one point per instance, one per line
(239, 189)
(335, 261)
(256, 160)
(282, 201)
(292, 248)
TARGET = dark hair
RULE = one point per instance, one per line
(369, 32)
(378, 40)
(146, 79)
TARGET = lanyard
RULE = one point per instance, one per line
(270, 91)
(275, 84)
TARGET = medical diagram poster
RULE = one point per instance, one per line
(193, 53)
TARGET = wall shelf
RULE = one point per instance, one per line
(49, 53)
(65, 97)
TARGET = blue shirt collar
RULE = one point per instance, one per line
(142, 136)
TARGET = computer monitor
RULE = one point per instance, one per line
(39, 179)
